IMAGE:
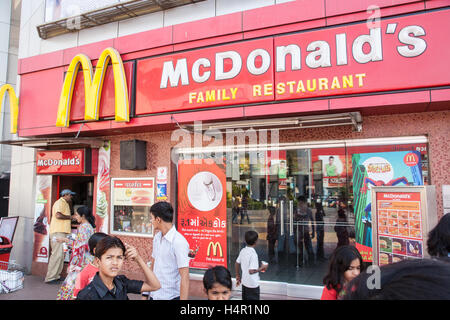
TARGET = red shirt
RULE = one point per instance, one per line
(84, 278)
(328, 294)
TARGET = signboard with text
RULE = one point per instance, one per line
(343, 60)
(202, 211)
(60, 162)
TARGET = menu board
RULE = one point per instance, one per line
(400, 233)
(131, 202)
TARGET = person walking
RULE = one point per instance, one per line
(169, 260)
(60, 227)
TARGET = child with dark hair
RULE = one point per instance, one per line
(346, 264)
(107, 284)
(217, 283)
(88, 273)
(439, 239)
(248, 259)
(418, 279)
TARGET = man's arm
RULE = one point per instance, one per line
(61, 216)
(184, 284)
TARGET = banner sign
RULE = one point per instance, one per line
(202, 211)
(379, 169)
(399, 223)
(60, 162)
(42, 212)
(103, 188)
(350, 59)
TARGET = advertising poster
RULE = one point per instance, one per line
(399, 227)
(103, 188)
(202, 211)
(379, 169)
(131, 201)
(42, 212)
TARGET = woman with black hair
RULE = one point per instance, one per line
(80, 251)
(346, 264)
(417, 279)
(439, 239)
(217, 283)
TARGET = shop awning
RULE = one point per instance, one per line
(313, 121)
(55, 143)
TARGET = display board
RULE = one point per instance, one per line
(131, 199)
(202, 211)
(402, 217)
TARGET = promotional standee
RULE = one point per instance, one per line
(202, 211)
(398, 168)
(402, 218)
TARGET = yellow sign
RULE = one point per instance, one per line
(214, 247)
(93, 87)
(13, 105)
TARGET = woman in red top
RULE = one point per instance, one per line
(346, 264)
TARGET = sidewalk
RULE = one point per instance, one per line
(34, 288)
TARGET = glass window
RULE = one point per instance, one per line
(300, 201)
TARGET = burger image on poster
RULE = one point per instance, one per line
(379, 169)
(204, 191)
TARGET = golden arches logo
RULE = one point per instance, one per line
(13, 105)
(215, 247)
(93, 85)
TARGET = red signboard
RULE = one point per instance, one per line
(61, 162)
(397, 53)
(205, 78)
(202, 211)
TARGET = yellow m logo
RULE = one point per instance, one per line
(410, 158)
(13, 105)
(214, 247)
(93, 87)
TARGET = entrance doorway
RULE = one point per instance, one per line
(82, 185)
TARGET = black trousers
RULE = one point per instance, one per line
(250, 293)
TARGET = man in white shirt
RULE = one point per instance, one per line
(248, 261)
(170, 260)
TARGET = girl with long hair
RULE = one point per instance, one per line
(346, 264)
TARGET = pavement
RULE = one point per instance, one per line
(34, 288)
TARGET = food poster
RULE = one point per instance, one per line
(379, 169)
(333, 169)
(103, 188)
(131, 201)
(42, 212)
(399, 227)
(202, 211)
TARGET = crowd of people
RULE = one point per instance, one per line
(94, 271)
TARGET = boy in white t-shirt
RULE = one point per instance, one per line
(248, 261)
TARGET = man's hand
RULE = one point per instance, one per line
(131, 253)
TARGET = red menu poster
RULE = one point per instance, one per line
(400, 233)
(202, 211)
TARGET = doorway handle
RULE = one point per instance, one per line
(291, 218)
(282, 217)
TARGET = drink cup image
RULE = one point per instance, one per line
(265, 265)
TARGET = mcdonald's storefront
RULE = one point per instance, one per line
(234, 128)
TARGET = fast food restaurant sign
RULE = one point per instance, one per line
(395, 54)
(61, 162)
(399, 53)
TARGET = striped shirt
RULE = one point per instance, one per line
(170, 253)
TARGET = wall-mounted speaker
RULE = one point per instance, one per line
(133, 155)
